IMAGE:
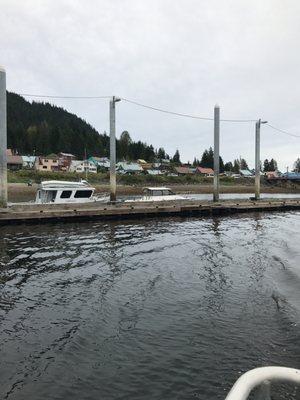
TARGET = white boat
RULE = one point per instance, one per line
(157, 194)
(65, 192)
(261, 379)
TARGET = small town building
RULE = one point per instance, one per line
(129, 168)
(293, 176)
(154, 172)
(28, 161)
(204, 171)
(144, 164)
(48, 163)
(184, 170)
(101, 162)
(64, 160)
(245, 173)
(271, 174)
(14, 161)
(82, 166)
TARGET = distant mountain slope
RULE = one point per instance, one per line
(42, 128)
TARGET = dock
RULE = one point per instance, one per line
(35, 213)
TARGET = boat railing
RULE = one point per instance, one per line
(262, 378)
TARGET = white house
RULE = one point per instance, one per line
(28, 161)
(102, 162)
(129, 168)
(81, 166)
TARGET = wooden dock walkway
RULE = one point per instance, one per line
(20, 213)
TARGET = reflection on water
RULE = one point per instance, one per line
(154, 309)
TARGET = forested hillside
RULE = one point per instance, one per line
(42, 128)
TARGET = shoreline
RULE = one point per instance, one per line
(18, 192)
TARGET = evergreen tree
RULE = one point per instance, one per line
(161, 154)
(210, 158)
(243, 164)
(228, 166)
(42, 128)
(204, 159)
(221, 165)
(273, 165)
(297, 165)
(123, 146)
(196, 162)
(207, 160)
(266, 165)
(176, 157)
(236, 166)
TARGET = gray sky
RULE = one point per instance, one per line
(181, 55)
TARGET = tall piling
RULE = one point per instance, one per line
(257, 159)
(216, 152)
(3, 139)
(113, 156)
(112, 170)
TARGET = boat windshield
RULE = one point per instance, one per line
(83, 194)
(158, 192)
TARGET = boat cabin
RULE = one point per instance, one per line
(60, 192)
(157, 191)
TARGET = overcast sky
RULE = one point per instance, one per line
(180, 55)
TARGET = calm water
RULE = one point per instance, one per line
(153, 309)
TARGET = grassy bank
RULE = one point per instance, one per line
(18, 190)
(23, 176)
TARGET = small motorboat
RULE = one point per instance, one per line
(157, 194)
(65, 192)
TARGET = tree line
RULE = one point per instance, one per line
(42, 128)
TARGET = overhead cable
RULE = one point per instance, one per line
(63, 97)
(156, 109)
(282, 131)
(184, 115)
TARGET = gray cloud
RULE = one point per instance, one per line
(180, 55)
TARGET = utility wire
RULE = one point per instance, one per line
(282, 131)
(137, 104)
(156, 109)
(64, 97)
(165, 111)
(184, 115)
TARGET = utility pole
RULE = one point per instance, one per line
(85, 165)
(257, 157)
(216, 151)
(3, 140)
(112, 122)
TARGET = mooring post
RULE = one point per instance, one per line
(112, 120)
(257, 159)
(3, 140)
(216, 151)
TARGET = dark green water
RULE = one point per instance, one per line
(153, 309)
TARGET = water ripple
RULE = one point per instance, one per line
(160, 308)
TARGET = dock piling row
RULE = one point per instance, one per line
(3, 139)
(216, 152)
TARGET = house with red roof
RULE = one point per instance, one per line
(204, 171)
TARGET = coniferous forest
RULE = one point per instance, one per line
(37, 128)
(41, 128)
